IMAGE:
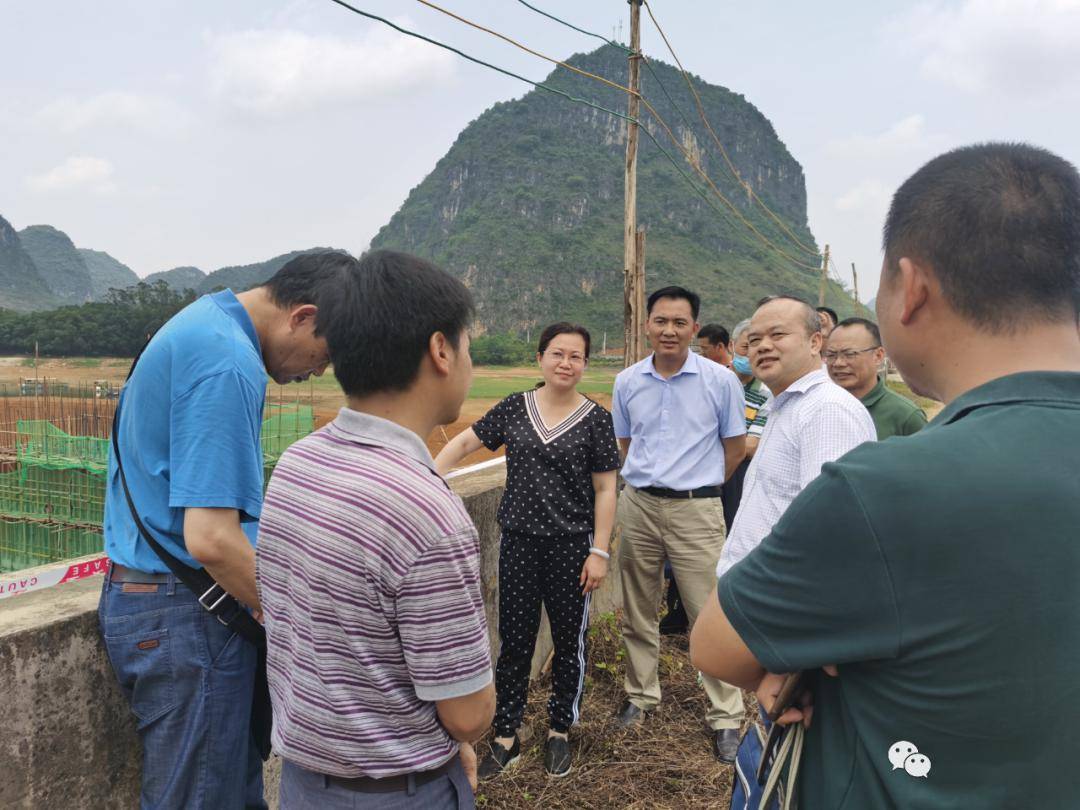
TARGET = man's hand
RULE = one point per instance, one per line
(802, 710)
(593, 573)
(468, 762)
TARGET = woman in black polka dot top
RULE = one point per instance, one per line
(556, 517)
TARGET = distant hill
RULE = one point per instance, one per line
(58, 262)
(179, 278)
(526, 208)
(244, 277)
(106, 273)
(21, 286)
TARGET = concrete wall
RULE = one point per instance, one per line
(67, 738)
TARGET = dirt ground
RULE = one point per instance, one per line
(662, 765)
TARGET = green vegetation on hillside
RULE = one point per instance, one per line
(526, 207)
(58, 262)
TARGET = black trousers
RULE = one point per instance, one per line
(535, 571)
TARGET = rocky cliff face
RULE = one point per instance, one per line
(526, 207)
(21, 286)
(106, 273)
(58, 262)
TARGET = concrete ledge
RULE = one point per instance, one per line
(68, 736)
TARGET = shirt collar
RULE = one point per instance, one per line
(231, 306)
(875, 393)
(363, 428)
(1026, 386)
(803, 384)
(691, 366)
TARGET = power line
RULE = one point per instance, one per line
(652, 110)
(543, 13)
(585, 102)
(669, 97)
(723, 151)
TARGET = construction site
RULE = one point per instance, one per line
(54, 455)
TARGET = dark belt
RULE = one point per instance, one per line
(391, 784)
(121, 573)
(700, 492)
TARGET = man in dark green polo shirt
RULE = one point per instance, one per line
(939, 577)
(853, 357)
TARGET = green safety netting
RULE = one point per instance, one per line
(52, 499)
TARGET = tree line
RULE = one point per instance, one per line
(115, 327)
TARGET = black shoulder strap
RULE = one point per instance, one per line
(211, 595)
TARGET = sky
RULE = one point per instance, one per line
(209, 133)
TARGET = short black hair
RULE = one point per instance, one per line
(379, 322)
(306, 278)
(831, 313)
(675, 292)
(999, 224)
(715, 334)
(868, 325)
(563, 328)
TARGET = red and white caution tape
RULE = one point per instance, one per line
(26, 582)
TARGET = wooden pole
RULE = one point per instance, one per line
(631, 315)
(855, 281)
(639, 287)
(824, 277)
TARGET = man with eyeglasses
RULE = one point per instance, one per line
(853, 356)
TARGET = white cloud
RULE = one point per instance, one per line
(906, 135)
(870, 197)
(275, 72)
(77, 172)
(1020, 47)
(116, 109)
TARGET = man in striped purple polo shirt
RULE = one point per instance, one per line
(368, 565)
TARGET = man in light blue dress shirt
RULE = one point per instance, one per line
(680, 423)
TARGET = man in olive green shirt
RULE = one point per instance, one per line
(930, 588)
(853, 357)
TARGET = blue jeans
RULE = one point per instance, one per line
(189, 682)
(303, 790)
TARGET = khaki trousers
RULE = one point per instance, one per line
(690, 534)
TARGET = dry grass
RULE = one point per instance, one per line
(665, 763)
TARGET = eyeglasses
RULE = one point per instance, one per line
(573, 359)
(847, 354)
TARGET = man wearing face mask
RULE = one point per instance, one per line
(757, 396)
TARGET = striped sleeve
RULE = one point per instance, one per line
(440, 617)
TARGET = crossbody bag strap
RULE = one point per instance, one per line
(213, 598)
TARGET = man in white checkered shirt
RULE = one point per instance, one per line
(811, 420)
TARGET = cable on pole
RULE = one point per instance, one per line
(586, 102)
(723, 151)
(652, 110)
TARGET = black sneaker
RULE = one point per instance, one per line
(499, 759)
(557, 757)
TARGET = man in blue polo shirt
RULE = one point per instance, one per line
(937, 578)
(189, 425)
(679, 422)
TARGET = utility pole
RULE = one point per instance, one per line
(632, 294)
(855, 281)
(824, 277)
